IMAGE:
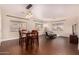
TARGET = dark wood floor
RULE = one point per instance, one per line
(58, 46)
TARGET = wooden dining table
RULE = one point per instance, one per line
(30, 39)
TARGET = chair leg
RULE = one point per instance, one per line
(27, 43)
(31, 42)
(21, 42)
(37, 42)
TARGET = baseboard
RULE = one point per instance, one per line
(0, 43)
(78, 46)
(10, 39)
(13, 38)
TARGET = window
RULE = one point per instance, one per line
(57, 26)
(38, 26)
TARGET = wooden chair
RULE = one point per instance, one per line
(29, 41)
(22, 37)
(35, 37)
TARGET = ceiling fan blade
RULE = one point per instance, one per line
(29, 6)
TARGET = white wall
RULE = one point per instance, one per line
(0, 27)
(40, 11)
(67, 26)
(5, 21)
(18, 11)
(6, 24)
(7, 34)
(50, 12)
(32, 25)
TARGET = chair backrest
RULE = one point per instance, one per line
(35, 34)
(21, 33)
(46, 34)
(34, 30)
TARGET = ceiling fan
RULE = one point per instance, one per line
(29, 13)
(29, 6)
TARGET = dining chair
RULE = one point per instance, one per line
(22, 37)
(35, 37)
(29, 41)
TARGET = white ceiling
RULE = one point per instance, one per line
(14, 9)
(56, 11)
(43, 11)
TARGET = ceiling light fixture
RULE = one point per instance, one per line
(29, 13)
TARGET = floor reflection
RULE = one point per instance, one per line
(31, 50)
(58, 46)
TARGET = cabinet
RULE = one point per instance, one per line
(74, 39)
